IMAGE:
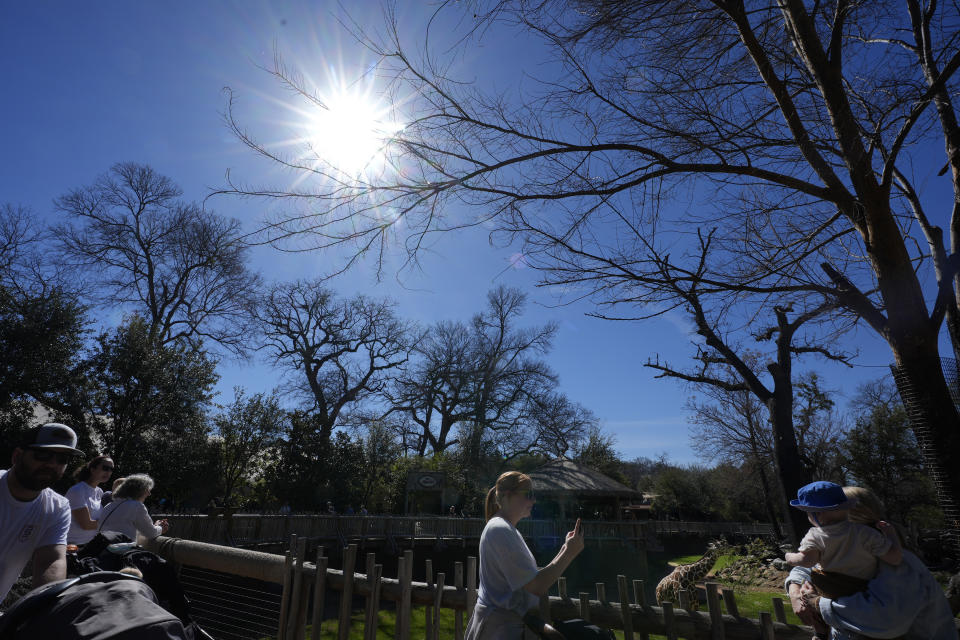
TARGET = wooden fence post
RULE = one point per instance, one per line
(428, 610)
(562, 587)
(730, 601)
(346, 596)
(669, 622)
(640, 599)
(437, 603)
(471, 585)
(404, 573)
(369, 569)
(626, 615)
(458, 615)
(766, 626)
(585, 605)
(298, 597)
(285, 593)
(371, 619)
(319, 593)
(717, 632)
(778, 612)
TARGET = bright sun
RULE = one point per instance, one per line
(351, 133)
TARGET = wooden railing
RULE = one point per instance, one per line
(307, 584)
(252, 528)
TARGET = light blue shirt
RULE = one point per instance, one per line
(506, 565)
(903, 600)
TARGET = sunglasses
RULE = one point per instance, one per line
(46, 456)
(106, 467)
(528, 495)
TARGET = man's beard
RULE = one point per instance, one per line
(36, 481)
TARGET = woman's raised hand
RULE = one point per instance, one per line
(574, 540)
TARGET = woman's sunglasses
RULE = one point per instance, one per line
(528, 495)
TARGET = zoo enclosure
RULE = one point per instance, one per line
(305, 585)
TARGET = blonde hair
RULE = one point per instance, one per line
(507, 483)
(868, 508)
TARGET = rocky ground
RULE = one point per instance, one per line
(748, 573)
(759, 566)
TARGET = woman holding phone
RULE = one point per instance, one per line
(510, 581)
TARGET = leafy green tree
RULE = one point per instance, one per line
(297, 464)
(598, 451)
(43, 329)
(819, 428)
(684, 494)
(243, 431)
(148, 404)
(881, 452)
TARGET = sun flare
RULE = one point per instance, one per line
(351, 133)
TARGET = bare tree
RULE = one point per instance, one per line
(340, 352)
(801, 126)
(482, 383)
(180, 266)
(561, 426)
(732, 427)
(508, 375)
(434, 388)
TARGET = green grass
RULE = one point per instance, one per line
(721, 562)
(386, 625)
(750, 604)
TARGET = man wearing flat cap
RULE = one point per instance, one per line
(34, 519)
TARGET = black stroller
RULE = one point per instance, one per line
(106, 605)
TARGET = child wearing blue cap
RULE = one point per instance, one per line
(846, 551)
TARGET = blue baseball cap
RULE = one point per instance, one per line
(821, 496)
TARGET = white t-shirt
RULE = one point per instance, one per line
(25, 526)
(128, 517)
(83, 495)
(506, 564)
(847, 547)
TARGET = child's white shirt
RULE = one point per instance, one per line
(847, 547)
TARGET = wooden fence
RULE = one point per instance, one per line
(306, 584)
(246, 529)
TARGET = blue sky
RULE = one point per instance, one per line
(90, 84)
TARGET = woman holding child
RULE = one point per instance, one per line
(897, 598)
(510, 581)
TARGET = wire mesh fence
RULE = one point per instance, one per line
(913, 399)
(231, 607)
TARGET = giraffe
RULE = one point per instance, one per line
(685, 576)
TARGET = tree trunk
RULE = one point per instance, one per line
(768, 498)
(790, 470)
